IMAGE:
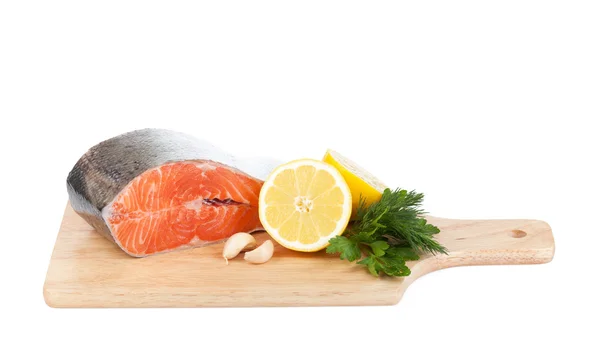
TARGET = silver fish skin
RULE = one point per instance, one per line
(108, 167)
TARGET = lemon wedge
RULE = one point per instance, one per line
(361, 182)
(304, 203)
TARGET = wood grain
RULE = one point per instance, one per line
(87, 270)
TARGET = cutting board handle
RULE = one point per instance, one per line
(493, 242)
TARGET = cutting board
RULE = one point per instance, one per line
(87, 270)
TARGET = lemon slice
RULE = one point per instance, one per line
(361, 182)
(304, 203)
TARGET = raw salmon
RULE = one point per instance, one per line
(153, 191)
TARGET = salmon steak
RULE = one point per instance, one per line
(153, 191)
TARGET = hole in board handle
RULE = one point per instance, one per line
(518, 233)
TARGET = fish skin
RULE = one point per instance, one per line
(108, 167)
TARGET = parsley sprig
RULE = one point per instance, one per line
(387, 233)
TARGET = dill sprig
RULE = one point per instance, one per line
(387, 233)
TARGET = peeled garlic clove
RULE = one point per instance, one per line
(237, 243)
(261, 254)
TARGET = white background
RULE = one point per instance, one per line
(487, 107)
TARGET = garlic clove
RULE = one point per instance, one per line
(261, 254)
(237, 243)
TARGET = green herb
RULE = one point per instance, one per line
(388, 233)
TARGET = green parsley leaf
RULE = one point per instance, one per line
(348, 248)
(372, 264)
(389, 265)
(379, 247)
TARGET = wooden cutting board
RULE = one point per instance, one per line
(87, 270)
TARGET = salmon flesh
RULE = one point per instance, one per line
(152, 191)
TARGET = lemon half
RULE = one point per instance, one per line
(304, 203)
(361, 182)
